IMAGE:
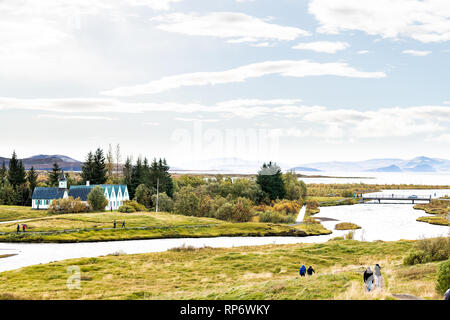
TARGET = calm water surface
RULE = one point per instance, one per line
(388, 222)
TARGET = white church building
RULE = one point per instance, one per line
(43, 197)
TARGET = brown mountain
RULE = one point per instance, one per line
(45, 162)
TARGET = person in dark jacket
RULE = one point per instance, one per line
(114, 224)
(368, 278)
(18, 228)
(123, 224)
(302, 271)
(310, 271)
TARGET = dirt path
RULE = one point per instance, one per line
(404, 296)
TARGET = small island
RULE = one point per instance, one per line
(346, 226)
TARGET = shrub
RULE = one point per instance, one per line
(165, 203)
(68, 205)
(126, 209)
(186, 202)
(428, 250)
(276, 217)
(286, 206)
(443, 281)
(97, 199)
(350, 235)
(135, 205)
(242, 211)
(225, 212)
(143, 195)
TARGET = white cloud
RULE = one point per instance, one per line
(310, 121)
(323, 46)
(362, 51)
(151, 124)
(77, 117)
(425, 21)
(237, 27)
(195, 119)
(285, 68)
(416, 53)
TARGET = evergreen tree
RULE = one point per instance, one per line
(32, 177)
(160, 170)
(99, 168)
(127, 169)
(53, 175)
(8, 196)
(16, 173)
(3, 173)
(270, 180)
(137, 177)
(87, 168)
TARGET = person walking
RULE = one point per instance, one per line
(18, 228)
(377, 276)
(368, 278)
(114, 224)
(123, 224)
(310, 271)
(302, 271)
(24, 226)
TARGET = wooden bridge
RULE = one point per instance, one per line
(395, 197)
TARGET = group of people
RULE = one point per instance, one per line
(303, 271)
(24, 227)
(115, 224)
(372, 277)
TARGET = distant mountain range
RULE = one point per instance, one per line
(45, 162)
(237, 165)
(418, 164)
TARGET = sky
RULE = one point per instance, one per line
(288, 81)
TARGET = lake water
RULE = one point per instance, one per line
(432, 178)
(388, 222)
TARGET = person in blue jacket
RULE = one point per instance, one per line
(302, 271)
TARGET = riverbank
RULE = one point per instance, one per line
(94, 227)
(439, 211)
(261, 272)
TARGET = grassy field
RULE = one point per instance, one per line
(262, 272)
(86, 227)
(440, 209)
(10, 213)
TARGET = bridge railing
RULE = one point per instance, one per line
(395, 196)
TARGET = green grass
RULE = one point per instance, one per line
(261, 272)
(438, 208)
(88, 227)
(10, 213)
(439, 220)
(346, 226)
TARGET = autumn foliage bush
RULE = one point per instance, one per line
(68, 205)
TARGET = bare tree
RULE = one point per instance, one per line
(110, 161)
(118, 158)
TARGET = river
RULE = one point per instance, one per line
(388, 222)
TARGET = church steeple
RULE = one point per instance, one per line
(62, 181)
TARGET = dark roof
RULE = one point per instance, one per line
(81, 192)
(48, 193)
